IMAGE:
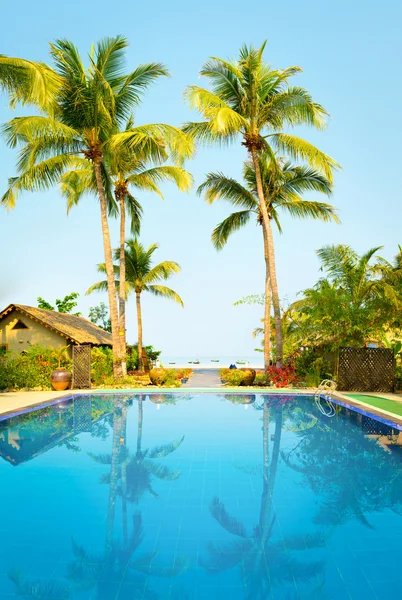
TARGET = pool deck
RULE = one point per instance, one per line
(13, 402)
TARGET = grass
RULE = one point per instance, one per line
(381, 403)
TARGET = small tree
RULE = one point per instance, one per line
(66, 305)
(99, 315)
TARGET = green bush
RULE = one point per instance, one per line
(233, 377)
(312, 368)
(164, 377)
(398, 375)
(101, 364)
(30, 369)
(132, 358)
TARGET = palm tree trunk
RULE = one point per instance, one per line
(122, 289)
(139, 324)
(275, 297)
(265, 223)
(267, 307)
(111, 286)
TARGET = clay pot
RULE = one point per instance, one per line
(249, 376)
(156, 376)
(60, 379)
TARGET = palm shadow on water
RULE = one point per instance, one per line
(122, 568)
(354, 474)
(263, 557)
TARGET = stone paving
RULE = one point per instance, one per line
(204, 378)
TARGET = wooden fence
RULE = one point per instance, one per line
(366, 370)
(81, 366)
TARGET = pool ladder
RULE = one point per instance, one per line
(326, 388)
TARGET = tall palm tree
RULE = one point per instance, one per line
(283, 185)
(126, 170)
(80, 124)
(141, 277)
(251, 101)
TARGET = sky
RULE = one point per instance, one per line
(351, 59)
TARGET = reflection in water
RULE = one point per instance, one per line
(265, 558)
(124, 568)
(260, 504)
(351, 475)
(27, 436)
(239, 398)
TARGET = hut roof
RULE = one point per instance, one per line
(76, 329)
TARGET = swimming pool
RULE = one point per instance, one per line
(199, 497)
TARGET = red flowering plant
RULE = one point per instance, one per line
(282, 377)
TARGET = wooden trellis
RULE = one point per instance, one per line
(81, 366)
(366, 369)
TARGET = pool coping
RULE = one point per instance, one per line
(368, 410)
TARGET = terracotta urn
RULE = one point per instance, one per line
(157, 376)
(60, 379)
(249, 376)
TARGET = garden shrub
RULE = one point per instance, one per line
(232, 377)
(262, 379)
(101, 365)
(165, 377)
(311, 367)
(30, 369)
(130, 381)
(282, 377)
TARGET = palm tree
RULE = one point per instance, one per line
(254, 102)
(283, 185)
(125, 170)
(81, 124)
(141, 277)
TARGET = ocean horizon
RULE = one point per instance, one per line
(218, 361)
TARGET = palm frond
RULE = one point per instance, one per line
(297, 148)
(217, 186)
(234, 222)
(165, 292)
(161, 272)
(29, 82)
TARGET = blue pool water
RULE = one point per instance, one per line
(199, 497)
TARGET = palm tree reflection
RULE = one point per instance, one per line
(123, 567)
(352, 475)
(265, 559)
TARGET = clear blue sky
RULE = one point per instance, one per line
(351, 56)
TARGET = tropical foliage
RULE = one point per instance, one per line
(65, 305)
(357, 301)
(141, 277)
